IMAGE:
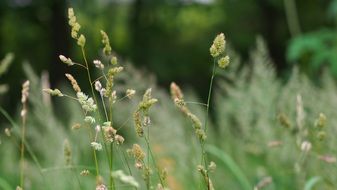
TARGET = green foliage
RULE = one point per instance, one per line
(312, 182)
(232, 166)
(248, 104)
(4, 185)
(314, 50)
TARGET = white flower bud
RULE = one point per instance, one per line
(98, 64)
(98, 86)
(96, 146)
(306, 146)
(66, 60)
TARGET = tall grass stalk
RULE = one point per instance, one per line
(24, 101)
(203, 151)
(22, 150)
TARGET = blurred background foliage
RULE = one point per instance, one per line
(167, 37)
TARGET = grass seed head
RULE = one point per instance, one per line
(81, 41)
(25, 92)
(176, 92)
(73, 82)
(138, 124)
(218, 46)
(106, 42)
(223, 62)
(138, 152)
(75, 26)
(130, 93)
(98, 64)
(66, 60)
(55, 92)
(96, 146)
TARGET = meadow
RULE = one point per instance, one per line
(120, 130)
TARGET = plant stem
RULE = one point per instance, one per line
(98, 111)
(292, 17)
(112, 183)
(96, 163)
(148, 158)
(104, 107)
(210, 95)
(202, 142)
(125, 159)
(154, 161)
(89, 76)
(22, 152)
(196, 103)
(95, 156)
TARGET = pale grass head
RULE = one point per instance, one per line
(106, 42)
(139, 155)
(25, 92)
(66, 60)
(86, 102)
(73, 82)
(218, 46)
(53, 92)
(217, 51)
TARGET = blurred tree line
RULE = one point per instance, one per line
(170, 38)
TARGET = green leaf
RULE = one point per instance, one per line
(4, 185)
(231, 165)
(312, 182)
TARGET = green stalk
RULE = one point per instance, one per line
(210, 94)
(125, 159)
(93, 94)
(112, 183)
(22, 152)
(203, 152)
(104, 107)
(292, 17)
(154, 161)
(89, 76)
(110, 157)
(96, 163)
(148, 183)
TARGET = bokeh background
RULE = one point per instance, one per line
(169, 38)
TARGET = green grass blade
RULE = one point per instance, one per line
(312, 182)
(232, 166)
(5, 185)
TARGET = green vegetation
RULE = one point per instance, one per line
(119, 130)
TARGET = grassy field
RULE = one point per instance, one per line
(122, 131)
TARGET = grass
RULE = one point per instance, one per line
(127, 133)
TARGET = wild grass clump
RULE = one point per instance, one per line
(120, 131)
(98, 109)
